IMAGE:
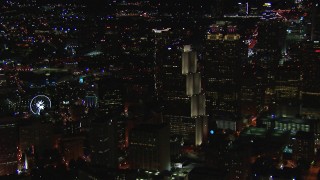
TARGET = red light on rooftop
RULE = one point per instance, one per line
(317, 50)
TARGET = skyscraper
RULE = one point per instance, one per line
(149, 147)
(110, 96)
(172, 86)
(176, 103)
(310, 78)
(35, 137)
(315, 21)
(223, 54)
(8, 147)
(161, 38)
(103, 141)
(195, 92)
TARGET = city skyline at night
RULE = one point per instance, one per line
(130, 89)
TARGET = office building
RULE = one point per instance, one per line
(223, 54)
(161, 39)
(149, 147)
(304, 146)
(271, 42)
(175, 101)
(8, 146)
(195, 92)
(315, 21)
(35, 137)
(111, 96)
(292, 124)
(91, 100)
(287, 89)
(103, 143)
(310, 89)
(72, 147)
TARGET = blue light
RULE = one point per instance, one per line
(81, 80)
(212, 132)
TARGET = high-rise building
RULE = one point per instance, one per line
(175, 102)
(72, 147)
(91, 100)
(270, 42)
(110, 96)
(149, 147)
(103, 143)
(8, 146)
(161, 40)
(287, 89)
(310, 78)
(315, 21)
(34, 138)
(223, 54)
(195, 92)
(247, 95)
(176, 113)
(303, 146)
(180, 92)
(217, 8)
(91, 97)
(291, 124)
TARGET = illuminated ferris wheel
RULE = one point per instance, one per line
(39, 103)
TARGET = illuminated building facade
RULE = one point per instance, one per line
(161, 39)
(227, 124)
(91, 100)
(177, 113)
(287, 89)
(176, 103)
(194, 91)
(110, 96)
(223, 54)
(270, 42)
(111, 101)
(292, 124)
